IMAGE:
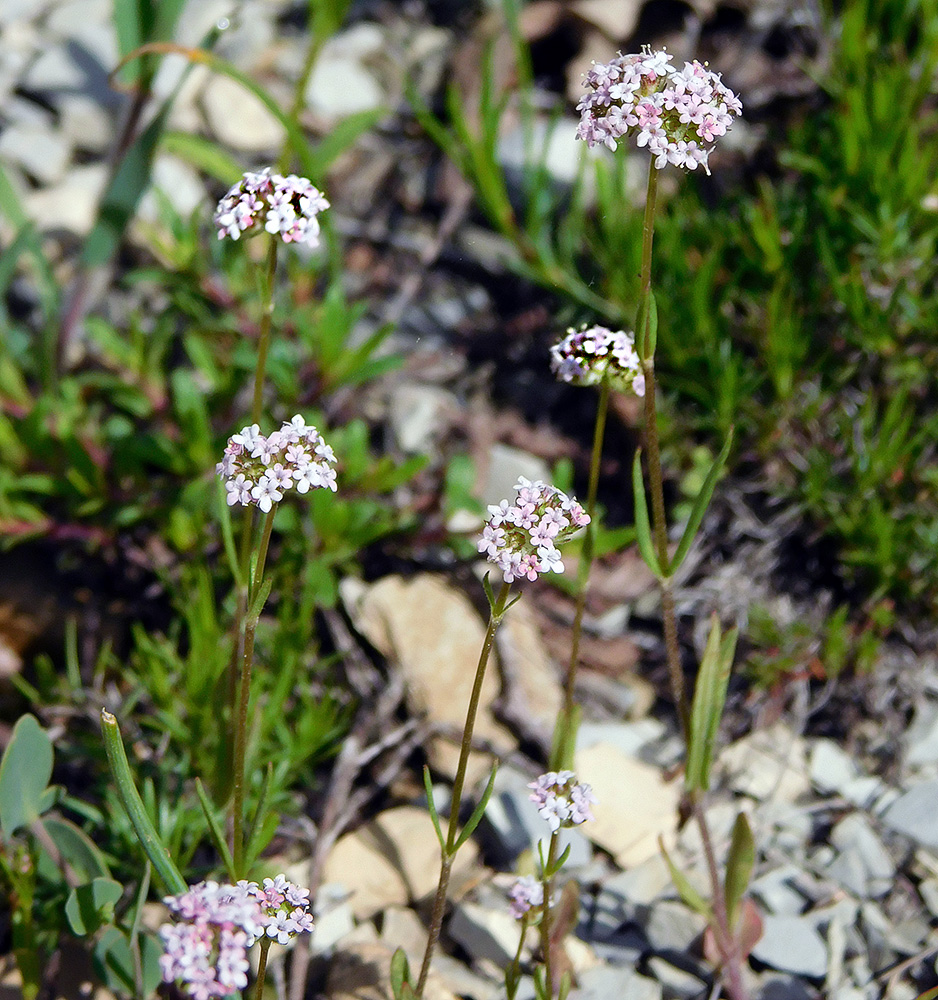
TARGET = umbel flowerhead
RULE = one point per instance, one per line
(562, 800)
(523, 538)
(591, 354)
(526, 894)
(259, 470)
(677, 114)
(205, 950)
(285, 206)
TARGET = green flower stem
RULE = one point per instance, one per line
(448, 854)
(244, 696)
(261, 969)
(133, 804)
(247, 524)
(652, 454)
(514, 970)
(565, 740)
(548, 882)
(726, 941)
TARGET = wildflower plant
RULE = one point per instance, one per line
(563, 802)
(522, 539)
(678, 115)
(205, 950)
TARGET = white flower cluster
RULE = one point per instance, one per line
(522, 538)
(205, 951)
(677, 114)
(258, 469)
(589, 355)
(287, 206)
(562, 800)
(525, 895)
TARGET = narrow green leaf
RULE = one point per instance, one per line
(24, 774)
(400, 972)
(646, 325)
(701, 502)
(203, 154)
(431, 805)
(642, 524)
(218, 837)
(487, 587)
(90, 906)
(130, 798)
(739, 862)
(684, 888)
(566, 981)
(707, 708)
(477, 813)
(260, 599)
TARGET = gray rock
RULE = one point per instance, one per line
(928, 890)
(777, 891)
(921, 738)
(485, 934)
(70, 205)
(677, 984)
(41, 152)
(672, 927)
(605, 982)
(641, 884)
(629, 737)
(831, 767)
(341, 84)
(87, 124)
(333, 918)
(238, 118)
(56, 68)
(505, 465)
(791, 944)
(863, 865)
(420, 415)
(12, 11)
(784, 988)
(512, 819)
(913, 814)
(86, 28)
(863, 791)
(463, 982)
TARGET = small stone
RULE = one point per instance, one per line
(70, 205)
(831, 767)
(605, 982)
(863, 855)
(41, 152)
(616, 19)
(928, 890)
(238, 118)
(420, 416)
(334, 918)
(913, 814)
(433, 634)
(402, 928)
(784, 988)
(556, 143)
(643, 883)
(677, 984)
(461, 980)
(791, 944)
(628, 737)
(636, 805)
(341, 84)
(778, 892)
(86, 24)
(484, 933)
(179, 184)
(363, 972)
(862, 792)
(55, 69)
(12, 11)
(769, 764)
(673, 927)
(505, 465)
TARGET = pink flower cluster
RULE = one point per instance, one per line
(589, 355)
(677, 114)
(258, 469)
(522, 538)
(562, 800)
(287, 206)
(526, 894)
(205, 951)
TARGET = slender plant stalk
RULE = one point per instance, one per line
(247, 523)
(565, 741)
(545, 916)
(726, 941)
(261, 969)
(449, 852)
(244, 697)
